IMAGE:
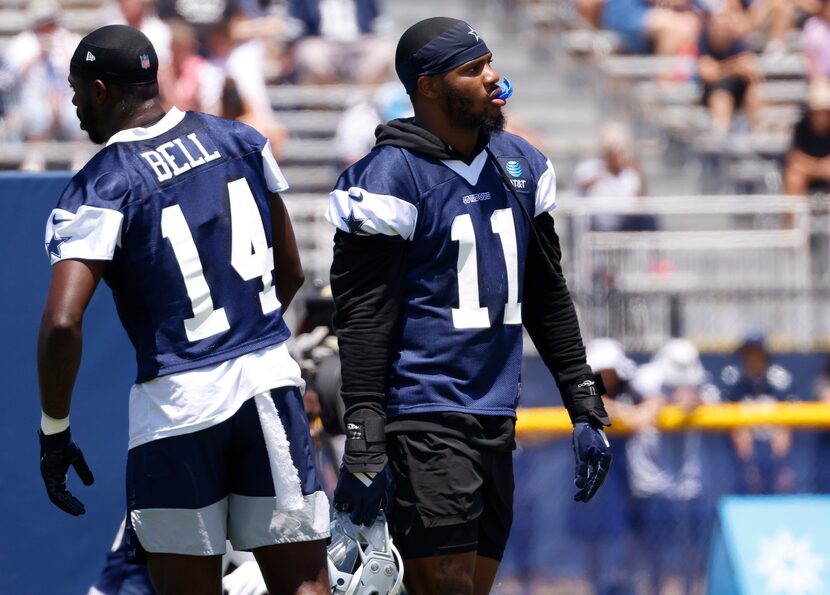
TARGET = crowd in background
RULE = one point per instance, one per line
(729, 39)
(221, 56)
(217, 57)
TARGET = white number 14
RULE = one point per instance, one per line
(470, 313)
(250, 257)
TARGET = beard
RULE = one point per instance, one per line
(461, 111)
(93, 135)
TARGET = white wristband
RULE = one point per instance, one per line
(50, 425)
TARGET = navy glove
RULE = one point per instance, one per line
(365, 482)
(363, 494)
(57, 453)
(593, 459)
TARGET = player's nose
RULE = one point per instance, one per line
(491, 76)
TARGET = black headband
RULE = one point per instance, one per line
(436, 45)
(116, 54)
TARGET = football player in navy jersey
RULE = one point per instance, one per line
(180, 214)
(444, 249)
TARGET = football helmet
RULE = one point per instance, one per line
(362, 560)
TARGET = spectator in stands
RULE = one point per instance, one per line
(355, 135)
(203, 16)
(808, 161)
(591, 11)
(140, 14)
(616, 175)
(665, 470)
(235, 108)
(340, 42)
(244, 63)
(763, 453)
(247, 19)
(729, 71)
(777, 20)
(815, 41)
(667, 27)
(38, 59)
(191, 81)
(7, 85)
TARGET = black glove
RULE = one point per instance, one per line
(365, 482)
(57, 453)
(593, 459)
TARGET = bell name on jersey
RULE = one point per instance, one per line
(176, 156)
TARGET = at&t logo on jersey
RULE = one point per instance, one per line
(513, 168)
(517, 172)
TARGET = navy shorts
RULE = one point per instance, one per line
(250, 479)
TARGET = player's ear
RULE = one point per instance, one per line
(429, 86)
(98, 92)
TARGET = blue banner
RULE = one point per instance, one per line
(772, 545)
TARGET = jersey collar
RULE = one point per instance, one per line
(170, 120)
(471, 171)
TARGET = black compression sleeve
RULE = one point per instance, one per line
(366, 284)
(550, 318)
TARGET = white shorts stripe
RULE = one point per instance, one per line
(285, 476)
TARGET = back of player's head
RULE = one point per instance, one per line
(116, 54)
(433, 46)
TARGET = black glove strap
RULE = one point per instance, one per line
(365, 431)
(52, 442)
(365, 450)
(583, 401)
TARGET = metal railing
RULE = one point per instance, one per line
(716, 266)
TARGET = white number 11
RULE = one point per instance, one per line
(250, 257)
(470, 313)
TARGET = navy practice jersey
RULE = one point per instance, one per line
(180, 209)
(460, 340)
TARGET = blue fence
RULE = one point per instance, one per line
(44, 550)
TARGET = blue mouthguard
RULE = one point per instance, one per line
(506, 88)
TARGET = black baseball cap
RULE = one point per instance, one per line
(116, 54)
